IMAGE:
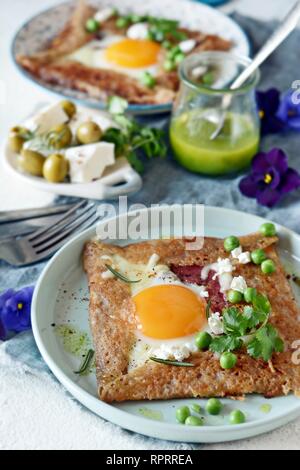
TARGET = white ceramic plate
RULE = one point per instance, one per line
(117, 180)
(43, 26)
(60, 297)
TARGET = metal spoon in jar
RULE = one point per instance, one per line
(287, 25)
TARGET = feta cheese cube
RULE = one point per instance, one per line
(49, 117)
(215, 323)
(138, 31)
(238, 283)
(236, 252)
(187, 45)
(104, 14)
(88, 162)
(244, 258)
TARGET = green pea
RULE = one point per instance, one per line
(234, 296)
(92, 25)
(213, 406)
(268, 266)
(148, 80)
(169, 65)
(173, 52)
(193, 421)
(258, 256)
(228, 360)
(237, 417)
(122, 22)
(230, 243)
(182, 413)
(203, 340)
(196, 408)
(179, 58)
(249, 294)
(268, 229)
(166, 44)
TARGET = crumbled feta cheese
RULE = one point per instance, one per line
(138, 31)
(238, 283)
(236, 252)
(215, 323)
(171, 351)
(225, 281)
(223, 266)
(187, 45)
(104, 14)
(46, 119)
(88, 162)
(244, 257)
(107, 274)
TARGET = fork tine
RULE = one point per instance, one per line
(59, 244)
(40, 232)
(67, 231)
(60, 227)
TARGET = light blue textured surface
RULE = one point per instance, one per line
(166, 182)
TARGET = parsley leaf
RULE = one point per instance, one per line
(224, 343)
(234, 322)
(253, 317)
(133, 140)
(265, 342)
(261, 303)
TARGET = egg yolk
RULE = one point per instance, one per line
(169, 311)
(133, 53)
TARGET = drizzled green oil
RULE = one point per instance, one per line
(75, 341)
(151, 414)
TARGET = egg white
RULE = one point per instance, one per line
(93, 55)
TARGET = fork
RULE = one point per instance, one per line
(45, 241)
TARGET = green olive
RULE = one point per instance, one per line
(15, 142)
(19, 130)
(68, 107)
(60, 136)
(88, 133)
(55, 168)
(31, 162)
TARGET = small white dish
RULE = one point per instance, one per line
(119, 179)
(62, 287)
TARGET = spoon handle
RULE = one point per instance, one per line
(284, 29)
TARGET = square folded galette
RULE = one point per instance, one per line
(160, 314)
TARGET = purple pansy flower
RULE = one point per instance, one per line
(270, 178)
(289, 111)
(15, 311)
(268, 103)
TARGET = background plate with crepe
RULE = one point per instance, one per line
(42, 27)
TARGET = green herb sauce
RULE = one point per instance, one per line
(151, 414)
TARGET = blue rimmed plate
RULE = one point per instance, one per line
(45, 25)
(61, 297)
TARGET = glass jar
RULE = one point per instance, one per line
(205, 80)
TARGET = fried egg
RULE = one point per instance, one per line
(129, 56)
(168, 312)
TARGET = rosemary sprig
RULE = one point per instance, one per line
(86, 363)
(121, 276)
(207, 310)
(170, 362)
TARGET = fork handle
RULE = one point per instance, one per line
(284, 29)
